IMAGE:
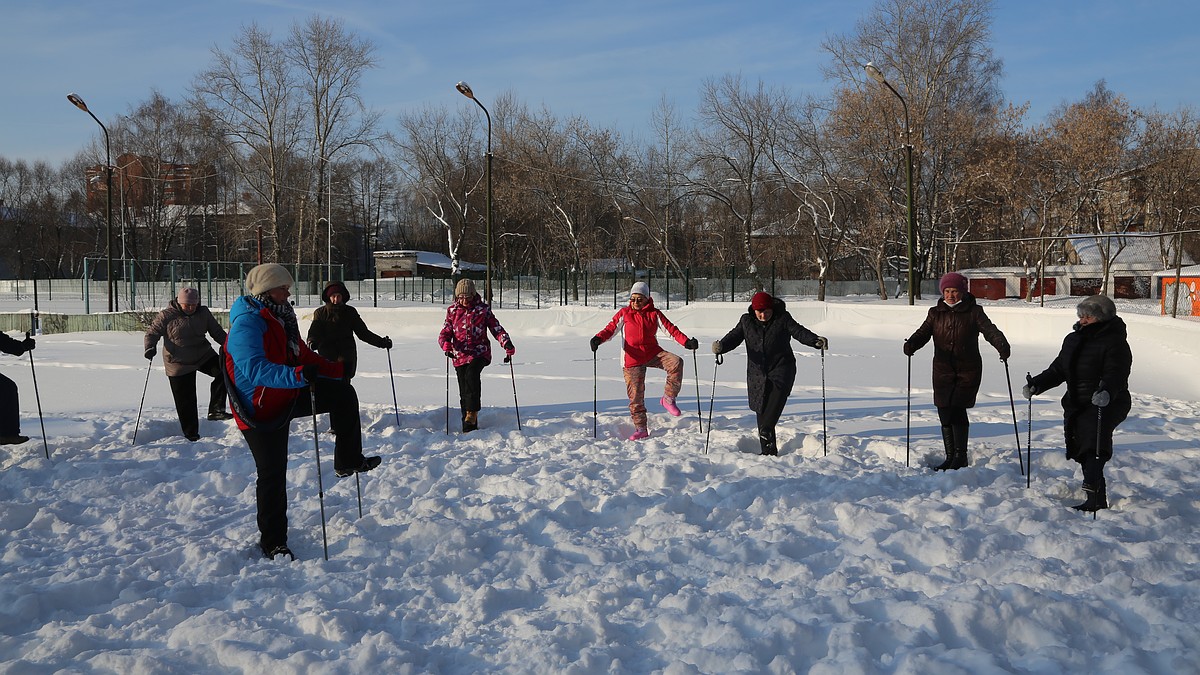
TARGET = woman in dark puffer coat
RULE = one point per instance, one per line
(955, 324)
(334, 325)
(767, 329)
(1094, 363)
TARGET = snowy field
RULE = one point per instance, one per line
(545, 550)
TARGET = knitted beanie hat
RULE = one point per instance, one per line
(640, 288)
(266, 276)
(1099, 307)
(952, 280)
(188, 296)
(762, 300)
(464, 287)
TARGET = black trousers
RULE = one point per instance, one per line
(270, 450)
(183, 390)
(470, 389)
(773, 402)
(10, 408)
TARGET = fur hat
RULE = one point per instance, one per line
(188, 296)
(335, 286)
(464, 287)
(640, 288)
(762, 300)
(266, 276)
(952, 280)
(1099, 307)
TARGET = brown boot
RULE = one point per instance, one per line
(470, 421)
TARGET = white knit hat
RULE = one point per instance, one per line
(266, 276)
(640, 288)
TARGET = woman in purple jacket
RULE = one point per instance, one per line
(464, 339)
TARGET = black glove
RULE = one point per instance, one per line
(596, 342)
(717, 347)
(691, 343)
(1005, 352)
(387, 342)
(1101, 399)
(822, 344)
(508, 358)
(449, 353)
(27, 344)
(311, 372)
(150, 353)
(908, 350)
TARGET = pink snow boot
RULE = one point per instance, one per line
(669, 403)
(639, 434)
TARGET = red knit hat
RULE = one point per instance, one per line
(762, 300)
(952, 280)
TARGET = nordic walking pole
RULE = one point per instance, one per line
(392, 377)
(696, 368)
(513, 373)
(36, 395)
(824, 427)
(1013, 404)
(1099, 432)
(145, 386)
(908, 418)
(1029, 437)
(312, 398)
(447, 394)
(711, 399)
(595, 408)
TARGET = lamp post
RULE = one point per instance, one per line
(465, 89)
(875, 74)
(108, 173)
(325, 161)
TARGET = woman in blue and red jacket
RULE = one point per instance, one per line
(464, 339)
(268, 368)
(640, 321)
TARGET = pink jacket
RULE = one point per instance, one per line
(640, 326)
(466, 332)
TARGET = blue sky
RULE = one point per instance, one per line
(608, 61)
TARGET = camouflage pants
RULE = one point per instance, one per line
(635, 383)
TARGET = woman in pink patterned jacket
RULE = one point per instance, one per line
(464, 339)
(641, 322)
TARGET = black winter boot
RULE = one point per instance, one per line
(961, 434)
(1097, 498)
(766, 440)
(948, 443)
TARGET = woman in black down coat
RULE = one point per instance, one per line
(334, 325)
(767, 329)
(955, 324)
(1094, 362)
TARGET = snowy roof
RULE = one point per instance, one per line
(1128, 248)
(431, 259)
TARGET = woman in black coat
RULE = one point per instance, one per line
(767, 329)
(334, 325)
(955, 324)
(1094, 363)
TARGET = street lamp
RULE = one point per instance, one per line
(325, 161)
(875, 74)
(465, 89)
(108, 172)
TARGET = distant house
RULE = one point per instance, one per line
(1133, 262)
(389, 264)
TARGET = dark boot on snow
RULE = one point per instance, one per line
(766, 440)
(1096, 498)
(955, 441)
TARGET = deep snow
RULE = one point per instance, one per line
(544, 549)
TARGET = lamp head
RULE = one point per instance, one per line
(77, 102)
(874, 73)
(465, 89)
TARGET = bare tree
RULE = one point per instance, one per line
(738, 129)
(251, 94)
(937, 55)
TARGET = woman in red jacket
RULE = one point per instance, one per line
(641, 320)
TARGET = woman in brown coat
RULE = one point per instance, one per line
(955, 324)
(184, 327)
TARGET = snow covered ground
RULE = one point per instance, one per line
(543, 549)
